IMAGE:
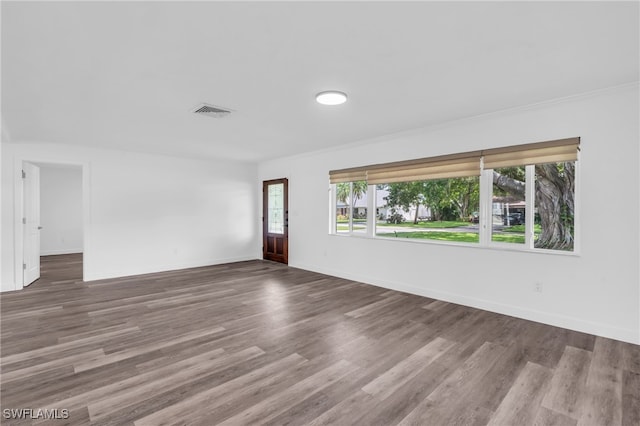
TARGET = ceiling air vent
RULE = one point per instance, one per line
(211, 111)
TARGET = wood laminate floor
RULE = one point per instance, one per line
(262, 343)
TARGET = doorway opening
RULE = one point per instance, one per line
(53, 234)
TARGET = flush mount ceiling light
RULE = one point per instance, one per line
(331, 97)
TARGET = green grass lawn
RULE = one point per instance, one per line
(435, 224)
(346, 227)
(343, 225)
(513, 234)
(466, 237)
(520, 229)
(508, 238)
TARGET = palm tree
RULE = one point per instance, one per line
(343, 191)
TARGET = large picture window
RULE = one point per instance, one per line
(521, 197)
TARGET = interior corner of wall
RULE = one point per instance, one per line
(6, 136)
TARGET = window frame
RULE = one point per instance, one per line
(485, 212)
(333, 207)
(529, 197)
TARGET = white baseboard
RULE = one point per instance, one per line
(102, 275)
(60, 251)
(571, 323)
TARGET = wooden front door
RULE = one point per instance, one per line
(275, 220)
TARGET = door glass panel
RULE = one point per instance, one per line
(276, 209)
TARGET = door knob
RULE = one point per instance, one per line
(39, 227)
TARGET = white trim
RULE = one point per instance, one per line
(372, 216)
(486, 213)
(529, 205)
(158, 268)
(61, 251)
(493, 246)
(351, 203)
(18, 228)
(571, 323)
(332, 209)
(577, 207)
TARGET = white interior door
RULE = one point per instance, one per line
(31, 221)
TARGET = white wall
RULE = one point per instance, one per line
(142, 213)
(60, 209)
(595, 292)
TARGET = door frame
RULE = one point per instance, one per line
(18, 209)
(30, 169)
(265, 215)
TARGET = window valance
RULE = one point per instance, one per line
(460, 165)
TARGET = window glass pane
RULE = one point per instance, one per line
(508, 205)
(554, 206)
(359, 206)
(383, 211)
(276, 209)
(443, 209)
(343, 207)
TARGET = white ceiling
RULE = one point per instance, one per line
(126, 75)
